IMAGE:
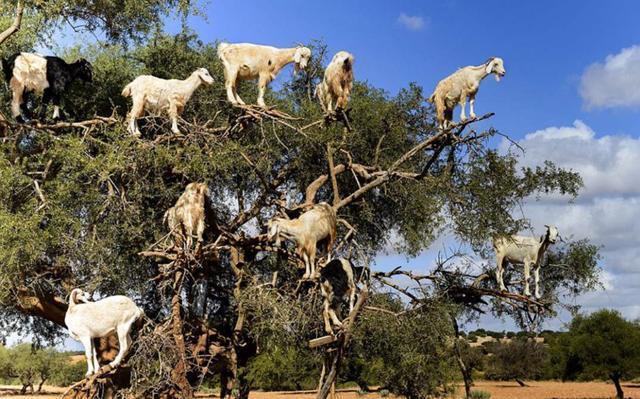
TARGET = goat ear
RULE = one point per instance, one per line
(297, 56)
(489, 66)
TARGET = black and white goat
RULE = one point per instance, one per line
(337, 282)
(46, 76)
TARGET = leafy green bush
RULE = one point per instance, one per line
(480, 395)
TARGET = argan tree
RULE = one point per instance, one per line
(82, 204)
(601, 345)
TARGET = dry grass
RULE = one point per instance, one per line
(498, 390)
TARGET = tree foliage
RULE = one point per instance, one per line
(601, 345)
(517, 360)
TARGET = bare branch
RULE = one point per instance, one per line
(15, 26)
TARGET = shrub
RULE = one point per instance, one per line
(480, 395)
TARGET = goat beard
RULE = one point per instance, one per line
(497, 77)
(296, 68)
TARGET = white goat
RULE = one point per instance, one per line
(523, 250)
(462, 84)
(315, 225)
(187, 218)
(162, 95)
(246, 61)
(87, 320)
(336, 283)
(334, 90)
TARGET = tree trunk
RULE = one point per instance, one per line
(329, 383)
(464, 370)
(521, 383)
(41, 384)
(616, 381)
(180, 370)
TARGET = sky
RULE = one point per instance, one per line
(571, 95)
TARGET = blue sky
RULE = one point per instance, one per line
(546, 46)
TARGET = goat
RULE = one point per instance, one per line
(315, 225)
(336, 283)
(462, 84)
(189, 216)
(246, 61)
(87, 320)
(525, 250)
(158, 95)
(335, 88)
(46, 76)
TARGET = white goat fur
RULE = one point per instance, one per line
(462, 84)
(246, 61)
(87, 320)
(523, 250)
(29, 74)
(329, 292)
(186, 219)
(161, 95)
(334, 90)
(317, 224)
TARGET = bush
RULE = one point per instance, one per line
(67, 373)
(480, 395)
(518, 360)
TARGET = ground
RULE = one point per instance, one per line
(498, 390)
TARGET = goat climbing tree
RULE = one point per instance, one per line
(81, 205)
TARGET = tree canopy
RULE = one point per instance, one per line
(601, 345)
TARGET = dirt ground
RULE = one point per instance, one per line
(498, 390)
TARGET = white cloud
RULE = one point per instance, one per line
(613, 83)
(579, 130)
(608, 165)
(607, 211)
(411, 22)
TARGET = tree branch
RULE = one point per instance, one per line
(15, 26)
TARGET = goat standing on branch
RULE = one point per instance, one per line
(462, 84)
(336, 283)
(316, 225)
(523, 250)
(245, 61)
(189, 216)
(46, 76)
(87, 320)
(334, 90)
(162, 95)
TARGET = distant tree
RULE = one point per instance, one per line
(29, 366)
(415, 347)
(517, 360)
(601, 345)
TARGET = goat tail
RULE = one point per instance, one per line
(432, 99)
(126, 92)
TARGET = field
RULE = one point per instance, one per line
(498, 390)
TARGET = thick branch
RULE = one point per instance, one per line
(392, 171)
(15, 26)
(50, 308)
(334, 181)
